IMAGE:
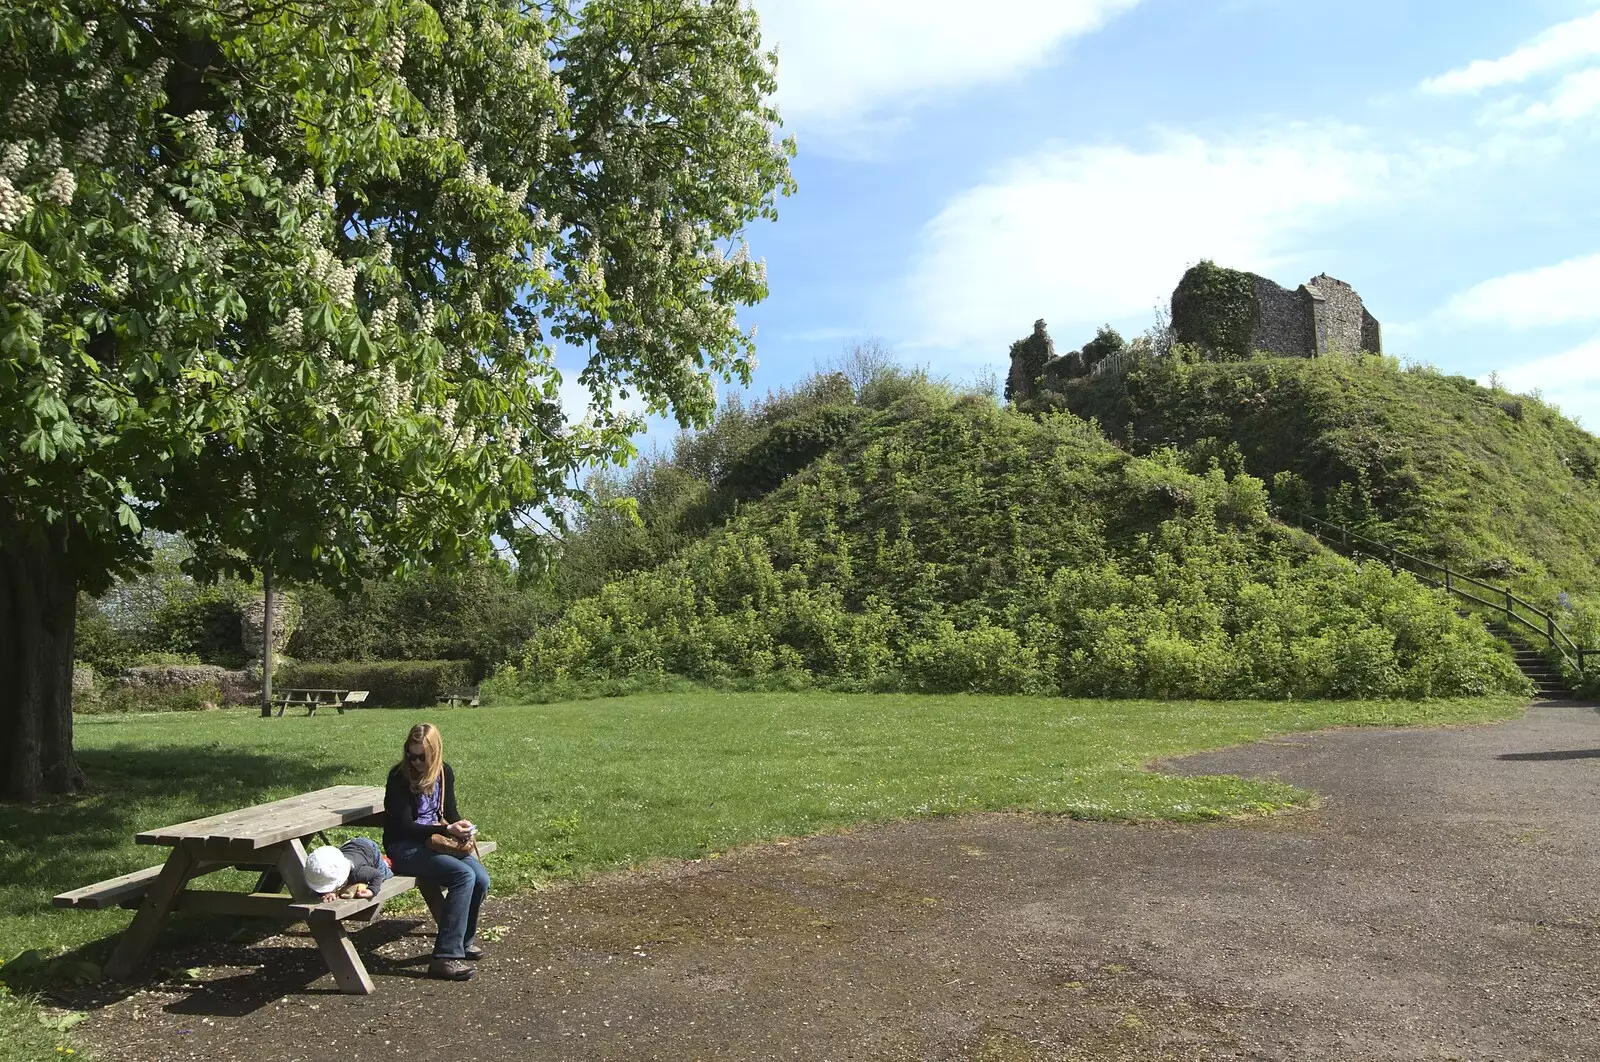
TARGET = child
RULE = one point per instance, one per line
(352, 870)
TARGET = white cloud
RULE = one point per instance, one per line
(1085, 235)
(1575, 98)
(1565, 293)
(1570, 379)
(1558, 46)
(844, 61)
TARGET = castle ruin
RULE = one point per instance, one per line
(1233, 314)
(1228, 314)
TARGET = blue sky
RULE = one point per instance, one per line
(965, 169)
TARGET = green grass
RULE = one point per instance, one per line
(569, 789)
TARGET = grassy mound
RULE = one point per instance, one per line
(1497, 485)
(943, 544)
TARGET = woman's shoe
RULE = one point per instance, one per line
(451, 970)
(474, 953)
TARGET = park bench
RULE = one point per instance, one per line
(467, 695)
(270, 837)
(313, 699)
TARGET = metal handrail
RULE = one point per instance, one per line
(1505, 601)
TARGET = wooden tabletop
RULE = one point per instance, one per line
(282, 820)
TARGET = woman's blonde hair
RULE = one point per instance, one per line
(425, 778)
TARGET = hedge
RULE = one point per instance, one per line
(389, 683)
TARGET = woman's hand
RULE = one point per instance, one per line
(460, 830)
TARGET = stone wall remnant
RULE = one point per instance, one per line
(1232, 314)
(253, 614)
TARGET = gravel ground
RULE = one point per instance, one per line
(1438, 905)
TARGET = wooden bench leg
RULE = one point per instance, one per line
(337, 950)
(340, 954)
(140, 936)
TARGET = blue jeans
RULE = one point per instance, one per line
(465, 883)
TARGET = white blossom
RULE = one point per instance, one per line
(388, 392)
(291, 330)
(13, 159)
(202, 137)
(93, 142)
(14, 206)
(96, 83)
(394, 53)
(63, 186)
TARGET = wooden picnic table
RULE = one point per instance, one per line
(271, 837)
(458, 697)
(315, 698)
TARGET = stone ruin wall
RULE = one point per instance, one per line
(1283, 323)
(1338, 314)
(1322, 315)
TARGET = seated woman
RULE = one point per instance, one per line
(420, 801)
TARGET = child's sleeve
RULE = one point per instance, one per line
(365, 875)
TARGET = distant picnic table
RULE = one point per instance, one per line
(313, 699)
(466, 695)
(271, 837)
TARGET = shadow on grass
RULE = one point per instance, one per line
(68, 843)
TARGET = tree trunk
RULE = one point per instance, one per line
(38, 622)
(266, 639)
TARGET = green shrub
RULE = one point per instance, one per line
(479, 613)
(981, 659)
(389, 683)
(954, 546)
(1433, 465)
(1214, 309)
(115, 699)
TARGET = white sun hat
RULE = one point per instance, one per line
(327, 869)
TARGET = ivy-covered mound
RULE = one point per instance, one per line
(1498, 485)
(948, 545)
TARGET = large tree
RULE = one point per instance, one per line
(289, 276)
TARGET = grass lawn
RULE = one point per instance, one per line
(573, 788)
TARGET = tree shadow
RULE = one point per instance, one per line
(70, 842)
(1554, 754)
(279, 961)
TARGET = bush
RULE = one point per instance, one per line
(982, 659)
(389, 683)
(963, 547)
(117, 699)
(479, 614)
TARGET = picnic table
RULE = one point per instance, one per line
(271, 837)
(313, 699)
(465, 696)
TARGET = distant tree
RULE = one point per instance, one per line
(1105, 343)
(863, 363)
(287, 277)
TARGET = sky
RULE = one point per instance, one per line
(967, 168)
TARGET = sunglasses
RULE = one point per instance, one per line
(416, 757)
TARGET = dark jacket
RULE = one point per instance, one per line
(366, 862)
(400, 808)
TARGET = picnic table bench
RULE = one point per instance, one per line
(313, 699)
(467, 695)
(271, 837)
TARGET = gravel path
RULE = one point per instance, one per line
(1440, 904)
